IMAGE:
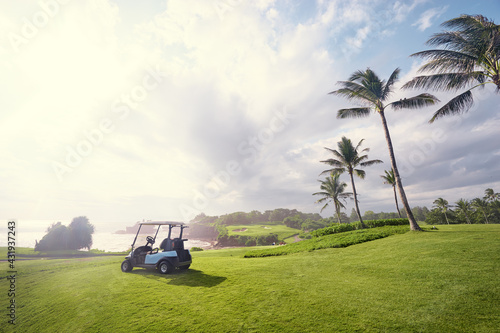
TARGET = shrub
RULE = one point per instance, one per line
(196, 248)
(343, 227)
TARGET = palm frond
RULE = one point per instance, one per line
(357, 75)
(415, 102)
(360, 173)
(345, 194)
(388, 86)
(355, 91)
(389, 177)
(469, 23)
(335, 153)
(441, 60)
(371, 162)
(359, 145)
(457, 105)
(446, 81)
(331, 170)
(448, 65)
(353, 113)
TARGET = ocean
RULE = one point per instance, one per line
(28, 234)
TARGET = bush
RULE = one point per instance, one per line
(343, 227)
(77, 235)
(196, 248)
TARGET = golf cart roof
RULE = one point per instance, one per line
(172, 223)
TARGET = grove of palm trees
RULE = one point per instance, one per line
(467, 56)
(479, 210)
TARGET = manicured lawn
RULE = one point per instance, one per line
(339, 240)
(262, 229)
(439, 281)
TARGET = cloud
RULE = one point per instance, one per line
(238, 119)
(427, 18)
(401, 9)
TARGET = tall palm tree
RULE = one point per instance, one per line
(333, 189)
(391, 180)
(372, 93)
(464, 206)
(348, 158)
(442, 204)
(481, 205)
(490, 195)
(468, 57)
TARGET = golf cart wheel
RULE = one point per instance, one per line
(165, 267)
(184, 267)
(126, 266)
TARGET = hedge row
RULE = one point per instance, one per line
(343, 227)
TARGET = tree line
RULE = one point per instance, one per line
(477, 210)
(466, 57)
(253, 217)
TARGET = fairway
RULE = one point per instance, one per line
(262, 230)
(436, 281)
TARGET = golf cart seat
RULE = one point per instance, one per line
(178, 244)
(166, 244)
(142, 250)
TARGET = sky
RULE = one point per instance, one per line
(160, 110)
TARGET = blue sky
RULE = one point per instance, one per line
(126, 110)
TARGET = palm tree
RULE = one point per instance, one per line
(481, 205)
(333, 189)
(371, 92)
(442, 204)
(490, 195)
(464, 206)
(469, 57)
(348, 158)
(391, 180)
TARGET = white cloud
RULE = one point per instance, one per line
(402, 9)
(427, 18)
(226, 75)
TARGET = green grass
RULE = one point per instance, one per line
(262, 230)
(343, 239)
(440, 281)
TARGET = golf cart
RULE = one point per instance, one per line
(165, 258)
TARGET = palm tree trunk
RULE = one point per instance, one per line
(446, 217)
(413, 223)
(486, 218)
(356, 201)
(396, 199)
(467, 217)
(337, 210)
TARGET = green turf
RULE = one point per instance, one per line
(337, 240)
(439, 281)
(262, 230)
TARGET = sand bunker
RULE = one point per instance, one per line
(240, 230)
